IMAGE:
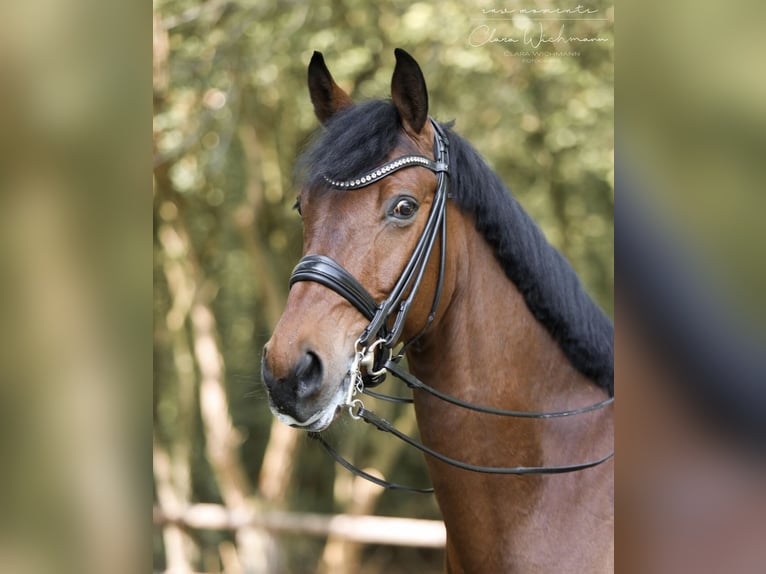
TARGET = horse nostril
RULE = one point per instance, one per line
(292, 392)
(308, 375)
(266, 374)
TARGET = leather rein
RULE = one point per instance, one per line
(374, 356)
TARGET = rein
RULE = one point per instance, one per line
(374, 348)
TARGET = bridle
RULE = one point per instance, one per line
(394, 309)
(374, 356)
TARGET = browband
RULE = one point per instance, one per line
(386, 169)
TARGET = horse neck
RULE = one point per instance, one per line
(488, 348)
(488, 344)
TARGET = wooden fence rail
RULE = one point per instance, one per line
(362, 529)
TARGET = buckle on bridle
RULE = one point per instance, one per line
(373, 360)
(369, 366)
(357, 405)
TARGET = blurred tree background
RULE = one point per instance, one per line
(232, 113)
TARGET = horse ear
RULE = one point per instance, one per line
(408, 90)
(328, 98)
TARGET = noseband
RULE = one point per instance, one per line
(374, 347)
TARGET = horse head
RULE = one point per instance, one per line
(365, 205)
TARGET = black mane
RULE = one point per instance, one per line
(360, 138)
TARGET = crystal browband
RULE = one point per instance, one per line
(387, 169)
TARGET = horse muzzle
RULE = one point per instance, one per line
(299, 395)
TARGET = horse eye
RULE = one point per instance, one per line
(404, 208)
(297, 206)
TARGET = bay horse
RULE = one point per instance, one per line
(411, 240)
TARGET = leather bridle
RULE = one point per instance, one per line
(374, 356)
(387, 318)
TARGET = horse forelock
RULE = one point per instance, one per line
(352, 142)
